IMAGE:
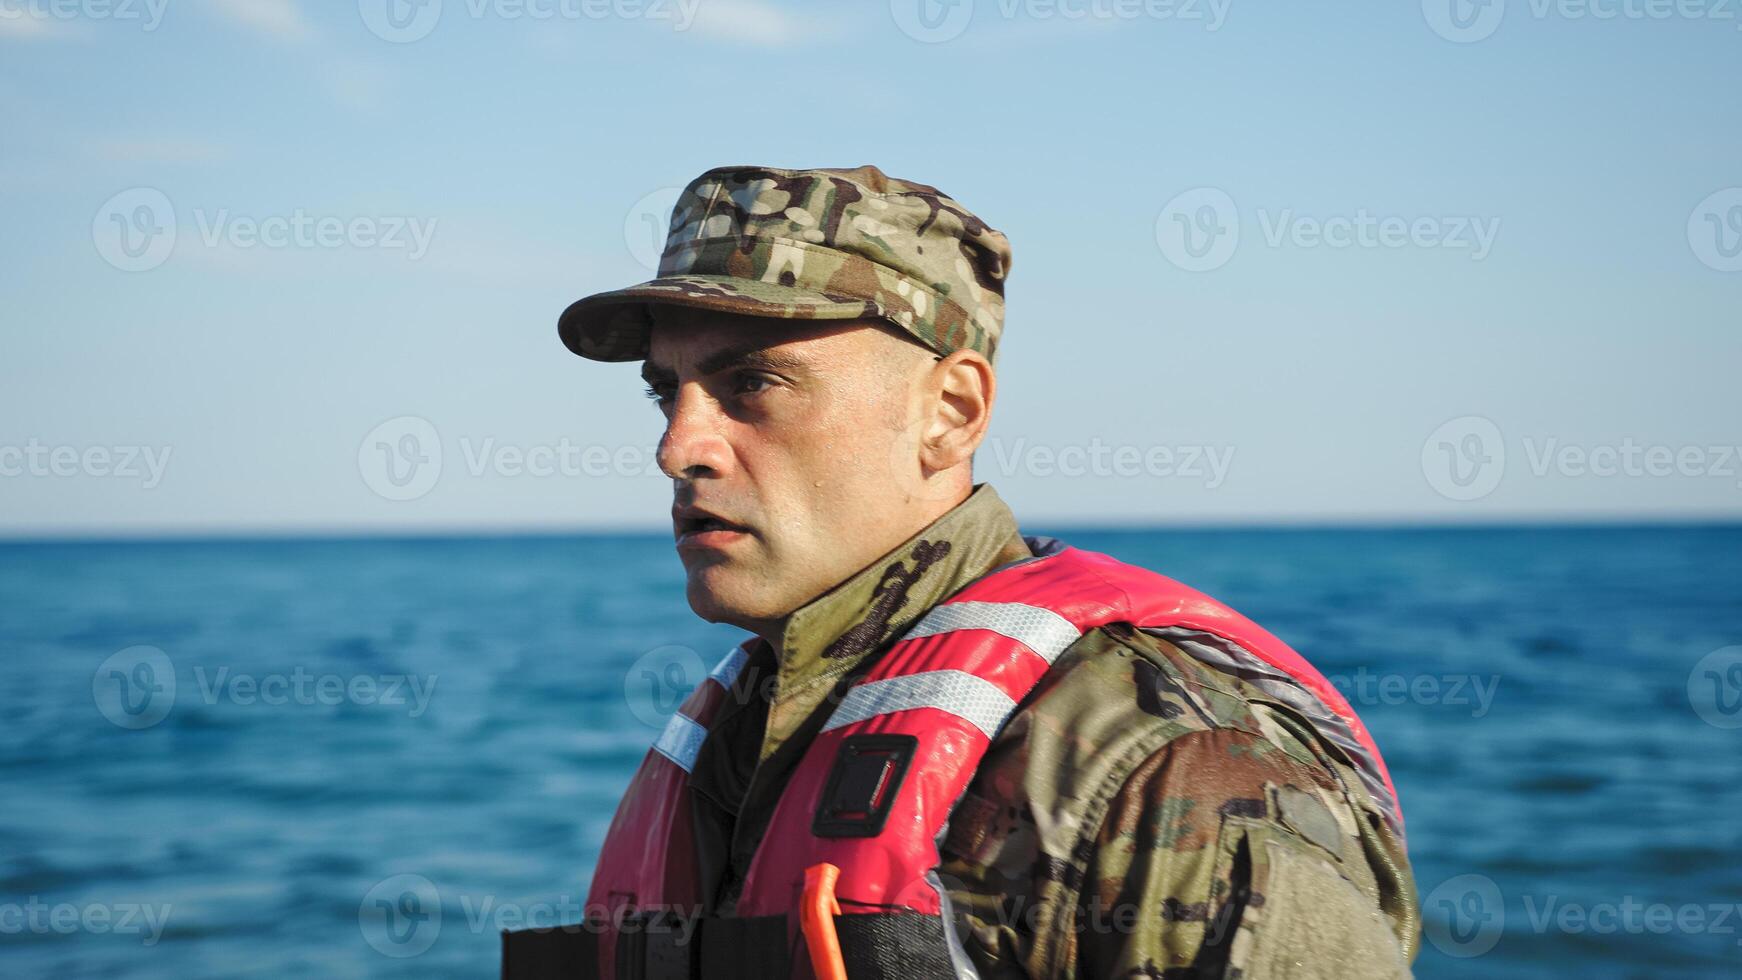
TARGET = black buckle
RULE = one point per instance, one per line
(648, 947)
(863, 784)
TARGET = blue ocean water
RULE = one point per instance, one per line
(362, 758)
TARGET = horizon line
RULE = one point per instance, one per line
(1265, 523)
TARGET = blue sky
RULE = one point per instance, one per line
(1485, 269)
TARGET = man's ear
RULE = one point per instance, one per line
(964, 387)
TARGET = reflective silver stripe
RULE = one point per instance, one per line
(726, 671)
(680, 741)
(1036, 627)
(682, 737)
(979, 702)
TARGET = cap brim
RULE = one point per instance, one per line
(613, 326)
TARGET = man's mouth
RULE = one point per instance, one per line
(698, 528)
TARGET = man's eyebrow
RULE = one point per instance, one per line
(749, 355)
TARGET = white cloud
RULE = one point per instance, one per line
(754, 22)
(279, 18)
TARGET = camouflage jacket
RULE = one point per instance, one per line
(1142, 814)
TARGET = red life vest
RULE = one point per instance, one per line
(872, 794)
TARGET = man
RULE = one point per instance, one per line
(947, 750)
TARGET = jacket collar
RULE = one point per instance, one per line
(838, 630)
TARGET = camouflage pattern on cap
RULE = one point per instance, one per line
(826, 244)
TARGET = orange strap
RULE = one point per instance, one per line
(816, 919)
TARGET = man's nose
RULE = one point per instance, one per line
(693, 445)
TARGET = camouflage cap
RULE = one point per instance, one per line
(826, 244)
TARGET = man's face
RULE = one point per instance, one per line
(784, 440)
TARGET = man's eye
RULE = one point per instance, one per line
(658, 393)
(750, 384)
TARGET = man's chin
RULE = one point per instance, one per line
(720, 594)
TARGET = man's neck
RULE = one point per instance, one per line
(774, 631)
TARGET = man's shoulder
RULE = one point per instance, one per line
(1121, 780)
(1113, 703)
(1128, 692)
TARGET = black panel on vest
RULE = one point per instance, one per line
(895, 946)
(753, 948)
(549, 954)
(862, 785)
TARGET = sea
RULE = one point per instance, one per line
(364, 758)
